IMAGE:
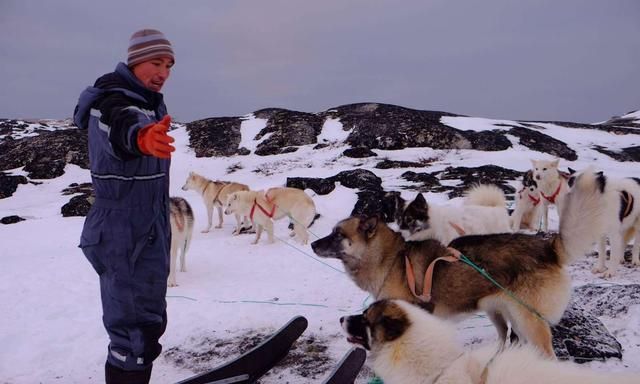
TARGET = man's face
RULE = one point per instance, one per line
(153, 73)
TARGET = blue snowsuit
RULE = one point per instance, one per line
(126, 234)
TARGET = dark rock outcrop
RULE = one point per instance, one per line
(384, 126)
(359, 153)
(318, 185)
(78, 205)
(540, 142)
(581, 337)
(388, 164)
(9, 184)
(625, 154)
(288, 129)
(218, 136)
(486, 174)
(361, 179)
(11, 219)
(45, 155)
(388, 205)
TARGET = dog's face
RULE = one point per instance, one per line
(529, 183)
(190, 183)
(384, 321)
(415, 217)
(544, 169)
(348, 239)
(232, 203)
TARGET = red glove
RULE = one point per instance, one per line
(153, 139)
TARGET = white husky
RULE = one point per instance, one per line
(552, 185)
(526, 214)
(264, 207)
(484, 211)
(181, 218)
(411, 346)
(622, 222)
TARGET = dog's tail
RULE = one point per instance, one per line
(487, 195)
(189, 219)
(582, 217)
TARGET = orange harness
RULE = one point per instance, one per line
(552, 198)
(261, 208)
(428, 275)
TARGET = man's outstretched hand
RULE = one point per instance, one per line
(154, 141)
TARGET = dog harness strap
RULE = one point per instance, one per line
(552, 198)
(534, 200)
(428, 275)
(457, 228)
(268, 213)
(218, 195)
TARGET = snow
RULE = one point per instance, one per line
(51, 330)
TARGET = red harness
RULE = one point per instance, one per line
(552, 198)
(428, 275)
(534, 200)
(261, 208)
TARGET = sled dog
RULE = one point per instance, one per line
(262, 207)
(552, 185)
(410, 346)
(181, 218)
(214, 194)
(528, 207)
(531, 267)
(621, 197)
(484, 211)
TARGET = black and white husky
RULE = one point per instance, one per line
(181, 231)
(621, 196)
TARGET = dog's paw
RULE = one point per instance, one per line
(172, 284)
(609, 273)
(598, 269)
(218, 226)
(205, 231)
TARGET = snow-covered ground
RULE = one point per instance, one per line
(51, 329)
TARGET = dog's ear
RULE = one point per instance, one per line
(420, 201)
(555, 163)
(368, 225)
(534, 163)
(571, 170)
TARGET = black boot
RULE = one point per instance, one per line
(115, 375)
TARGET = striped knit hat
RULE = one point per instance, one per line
(147, 44)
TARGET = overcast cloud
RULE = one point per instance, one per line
(573, 60)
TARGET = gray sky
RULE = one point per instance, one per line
(574, 60)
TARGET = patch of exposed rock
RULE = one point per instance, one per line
(45, 155)
(9, 184)
(286, 130)
(581, 337)
(361, 179)
(385, 126)
(540, 142)
(217, 136)
(11, 219)
(625, 154)
(78, 205)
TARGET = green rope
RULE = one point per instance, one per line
(486, 275)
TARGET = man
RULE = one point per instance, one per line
(126, 235)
